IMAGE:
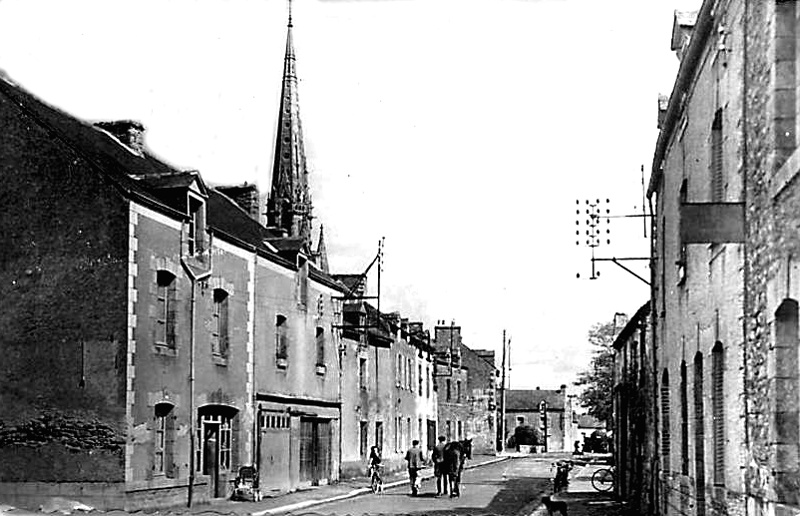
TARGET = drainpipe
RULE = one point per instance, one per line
(194, 277)
(192, 444)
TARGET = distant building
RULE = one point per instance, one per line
(549, 411)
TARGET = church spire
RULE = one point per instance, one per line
(289, 203)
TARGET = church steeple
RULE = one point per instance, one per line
(289, 202)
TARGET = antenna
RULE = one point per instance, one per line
(595, 232)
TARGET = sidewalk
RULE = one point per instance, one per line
(583, 500)
(305, 498)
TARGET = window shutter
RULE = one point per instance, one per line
(234, 444)
(169, 447)
(718, 409)
(717, 178)
(171, 313)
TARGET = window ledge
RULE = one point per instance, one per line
(281, 362)
(219, 360)
(164, 350)
(322, 369)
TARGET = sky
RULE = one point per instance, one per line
(461, 131)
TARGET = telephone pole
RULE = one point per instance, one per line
(503, 397)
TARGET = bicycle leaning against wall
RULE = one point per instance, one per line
(603, 479)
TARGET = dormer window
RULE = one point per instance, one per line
(196, 226)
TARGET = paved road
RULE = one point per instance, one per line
(509, 488)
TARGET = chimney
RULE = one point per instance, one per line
(246, 196)
(129, 133)
(663, 103)
(682, 27)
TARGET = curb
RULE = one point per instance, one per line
(358, 492)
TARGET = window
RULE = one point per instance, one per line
(447, 390)
(364, 435)
(716, 172)
(165, 309)
(448, 432)
(163, 440)
(399, 372)
(281, 340)
(460, 430)
(718, 412)
(196, 227)
(362, 373)
(409, 375)
(684, 422)
(213, 432)
(320, 346)
(379, 434)
(665, 422)
(699, 435)
(428, 382)
(219, 326)
(520, 421)
(419, 378)
(419, 430)
(458, 391)
(681, 262)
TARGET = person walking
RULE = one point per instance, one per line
(437, 456)
(415, 461)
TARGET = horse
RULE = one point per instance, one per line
(455, 452)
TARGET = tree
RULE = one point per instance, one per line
(598, 379)
(525, 435)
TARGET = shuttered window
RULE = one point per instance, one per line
(684, 422)
(320, 339)
(716, 171)
(699, 436)
(165, 309)
(666, 440)
(718, 410)
(219, 326)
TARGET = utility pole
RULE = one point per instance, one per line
(503, 397)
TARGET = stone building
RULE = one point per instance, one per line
(549, 411)
(725, 283)
(635, 453)
(160, 312)
(466, 382)
(180, 338)
(391, 400)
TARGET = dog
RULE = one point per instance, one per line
(554, 506)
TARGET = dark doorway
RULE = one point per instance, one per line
(315, 451)
(211, 455)
(431, 434)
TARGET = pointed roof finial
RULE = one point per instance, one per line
(290, 13)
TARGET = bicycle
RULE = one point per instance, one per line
(603, 479)
(375, 480)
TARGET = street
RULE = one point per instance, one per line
(509, 488)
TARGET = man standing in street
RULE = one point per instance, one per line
(437, 456)
(415, 461)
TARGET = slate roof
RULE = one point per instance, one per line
(98, 147)
(153, 182)
(529, 400)
(638, 318)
